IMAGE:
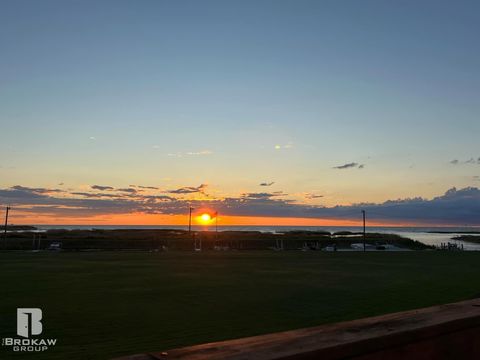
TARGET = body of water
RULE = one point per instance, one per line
(426, 235)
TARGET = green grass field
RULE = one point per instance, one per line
(105, 304)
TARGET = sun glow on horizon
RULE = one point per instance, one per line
(206, 218)
(18, 217)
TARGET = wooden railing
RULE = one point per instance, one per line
(450, 331)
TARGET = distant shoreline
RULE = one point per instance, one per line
(19, 227)
(474, 239)
(176, 239)
(454, 232)
(425, 229)
(428, 236)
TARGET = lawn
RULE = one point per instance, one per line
(105, 304)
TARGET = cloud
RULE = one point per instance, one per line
(458, 207)
(267, 183)
(465, 162)
(189, 189)
(93, 138)
(349, 166)
(191, 153)
(455, 207)
(127, 190)
(145, 187)
(86, 204)
(130, 189)
(202, 152)
(312, 196)
(262, 195)
(288, 145)
(36, 190)
(158, 197)
(94, 195)
(101, 187)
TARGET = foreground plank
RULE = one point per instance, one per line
(438, 332)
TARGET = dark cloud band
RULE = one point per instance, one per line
(455, 207)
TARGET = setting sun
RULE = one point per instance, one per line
(206, 217)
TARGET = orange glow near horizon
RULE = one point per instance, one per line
(20, 218)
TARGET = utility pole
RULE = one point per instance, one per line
(190, 220)
(216, 227)
(6, 224)
(364, 246)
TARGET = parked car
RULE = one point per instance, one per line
(55, 246)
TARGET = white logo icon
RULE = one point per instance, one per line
(28, 322)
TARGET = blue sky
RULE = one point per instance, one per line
(234, 93)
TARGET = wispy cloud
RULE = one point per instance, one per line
(311, 196)
(36, 190)
(288, 145)
(191, 153)
(95, 195)
(127, 190)
(132, 189)
(349, 166)
(145, 187)
(197, 153)
(189, 189)
(267, 183)
(468, 161)
(263, 195)
(101, 187)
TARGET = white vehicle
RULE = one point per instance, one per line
(55, 246)
(359, 246)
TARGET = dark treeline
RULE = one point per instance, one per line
(163, 239)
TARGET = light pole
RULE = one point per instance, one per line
(364, 246)
(190, 220)
(216, 226)
(6, 224)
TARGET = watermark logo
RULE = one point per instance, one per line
(29, 324)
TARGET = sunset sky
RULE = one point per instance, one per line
(270, 112)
